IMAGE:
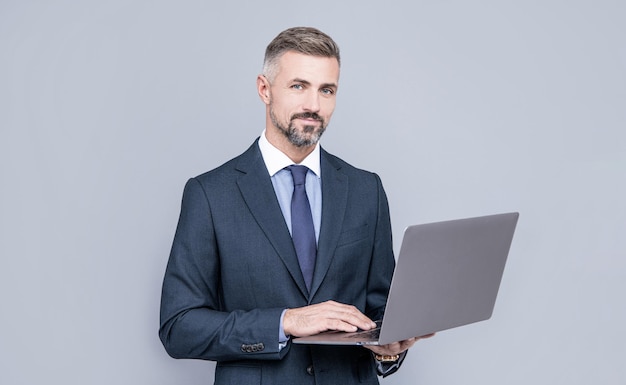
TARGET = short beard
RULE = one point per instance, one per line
(297, 138)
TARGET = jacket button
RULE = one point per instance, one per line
(310, 370)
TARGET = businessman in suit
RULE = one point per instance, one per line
(285, 240)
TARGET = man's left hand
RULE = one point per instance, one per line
(396, 347)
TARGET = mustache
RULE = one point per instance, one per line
(307, 115)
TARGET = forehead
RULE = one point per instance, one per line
(315, 69)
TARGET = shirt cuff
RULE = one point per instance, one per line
(282, 338)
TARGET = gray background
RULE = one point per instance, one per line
(106, 108)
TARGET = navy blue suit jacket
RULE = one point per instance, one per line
(233, 269)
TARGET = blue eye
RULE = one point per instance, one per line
(297, 87)
(327, 91)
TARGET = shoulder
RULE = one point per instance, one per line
(249, 161)
(335, 163)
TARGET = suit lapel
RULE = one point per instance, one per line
(334, 202)
(258, 193)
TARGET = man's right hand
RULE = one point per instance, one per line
(329, 315)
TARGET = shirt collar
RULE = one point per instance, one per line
(275, 160)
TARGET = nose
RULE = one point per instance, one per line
(312, 101)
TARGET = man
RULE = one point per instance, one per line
(265, 250)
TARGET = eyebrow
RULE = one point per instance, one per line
(308, 83)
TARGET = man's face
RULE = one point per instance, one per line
(302, 96)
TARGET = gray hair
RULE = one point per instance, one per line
(305, 40)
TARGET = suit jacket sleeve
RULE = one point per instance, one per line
(192, 323)
(377, 293)
(383, 262)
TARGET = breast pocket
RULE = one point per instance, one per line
(353, 235)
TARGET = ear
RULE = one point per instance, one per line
(263, 88)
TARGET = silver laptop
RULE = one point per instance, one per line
(447, 275)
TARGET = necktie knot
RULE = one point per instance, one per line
(299, 174)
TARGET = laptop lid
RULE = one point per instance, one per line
(447, 275)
